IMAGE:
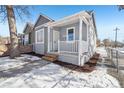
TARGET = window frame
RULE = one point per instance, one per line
(26, 39)
(36, 36)
(67, 39)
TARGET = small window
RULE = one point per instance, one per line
(26, 39)
(40, 36)
(29, 38)
(70, 34)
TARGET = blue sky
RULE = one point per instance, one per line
(107, 18)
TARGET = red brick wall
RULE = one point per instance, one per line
(22, 49)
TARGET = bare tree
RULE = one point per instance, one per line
(120, 7)
(106, 42)
(9, 12)
(98, 42)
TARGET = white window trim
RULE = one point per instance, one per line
(42, 36)
(67, 34)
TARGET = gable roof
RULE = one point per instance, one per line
(28, 25)
(42, 19)
(73, 16)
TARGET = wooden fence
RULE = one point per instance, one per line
(5, 49)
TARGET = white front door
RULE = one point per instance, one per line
(55, 40)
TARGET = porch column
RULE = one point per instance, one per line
(48, 50)
(80, 40)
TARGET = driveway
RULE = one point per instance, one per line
(33, 72)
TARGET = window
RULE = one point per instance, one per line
(26, 39)
(40, 36)
(29, 38)
(70, 34)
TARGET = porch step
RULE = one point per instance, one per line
(50, 57)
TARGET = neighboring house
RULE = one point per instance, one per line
(21, 39)
(118, 44)
(72, 38)
(27, 36)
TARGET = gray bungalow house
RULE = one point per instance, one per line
(72, 38)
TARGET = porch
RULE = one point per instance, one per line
(67, 47)
(70, 35)
(68, 38)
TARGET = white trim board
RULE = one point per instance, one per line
(67, 33)
(41, 35)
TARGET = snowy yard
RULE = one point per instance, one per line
(31, 71)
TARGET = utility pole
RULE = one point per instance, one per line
(116, 30)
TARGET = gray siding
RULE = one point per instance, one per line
(76, 25)
(69, 59)
(42, 48)
(41, 20)
(29, 30)
(91, 41)
(39, 48)
(64, 28)
(84, 31)
(33, 37)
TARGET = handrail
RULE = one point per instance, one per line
(116, 50)
(117, 56)
(68, 46)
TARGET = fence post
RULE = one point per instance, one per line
(117, 61)
(111, 56)
(58, 46)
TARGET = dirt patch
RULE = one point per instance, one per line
(88, 66)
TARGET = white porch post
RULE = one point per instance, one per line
(80, 39)
(48, 39)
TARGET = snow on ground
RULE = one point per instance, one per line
(23, 72)
(6, 63)
(101, 51)
(96, 79)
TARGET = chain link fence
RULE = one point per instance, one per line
(116, 57)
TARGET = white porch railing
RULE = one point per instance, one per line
(68, 46)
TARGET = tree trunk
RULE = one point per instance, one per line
(14, 51)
